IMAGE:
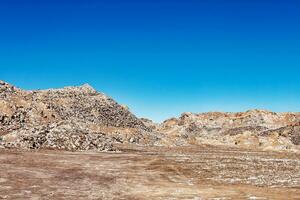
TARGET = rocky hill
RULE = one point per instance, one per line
(80, 118)
(72, 118)
(252, 129)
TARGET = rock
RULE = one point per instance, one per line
(80, 119)
(149, 123)
(72, 118)
(250, 129)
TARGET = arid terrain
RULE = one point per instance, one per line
(200, 172)
(77, 143)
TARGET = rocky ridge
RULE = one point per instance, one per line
(251, 129)
(72, 118)
(80, 118)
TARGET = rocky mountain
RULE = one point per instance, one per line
(80, 118)
(252, 129)
(72, 118)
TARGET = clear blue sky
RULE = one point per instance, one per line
(161, 58)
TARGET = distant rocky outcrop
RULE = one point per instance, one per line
(252, 129)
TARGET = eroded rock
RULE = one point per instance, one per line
(72, 118)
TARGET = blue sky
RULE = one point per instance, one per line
(161, 58)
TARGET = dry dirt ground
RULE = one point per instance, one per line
(200, 172)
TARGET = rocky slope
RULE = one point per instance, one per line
(80, 118)
(72, 118)
(252, 129)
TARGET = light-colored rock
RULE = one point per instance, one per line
(72, 118)
(80, 118)
(257, 129)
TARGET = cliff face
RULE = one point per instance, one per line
(252, 129)
(71, 118)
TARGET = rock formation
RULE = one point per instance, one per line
(72, 118)
(80, 118)
(252, 129)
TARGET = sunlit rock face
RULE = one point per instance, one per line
(72, 118)
(251, 129)
(80, 118)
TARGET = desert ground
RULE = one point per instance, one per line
(195, 172)
(77, 143)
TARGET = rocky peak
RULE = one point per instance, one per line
(82, 109)
(7, 90)
(85, 89)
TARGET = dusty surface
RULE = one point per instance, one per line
(150, 173)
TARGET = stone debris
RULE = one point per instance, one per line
(62, 136)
